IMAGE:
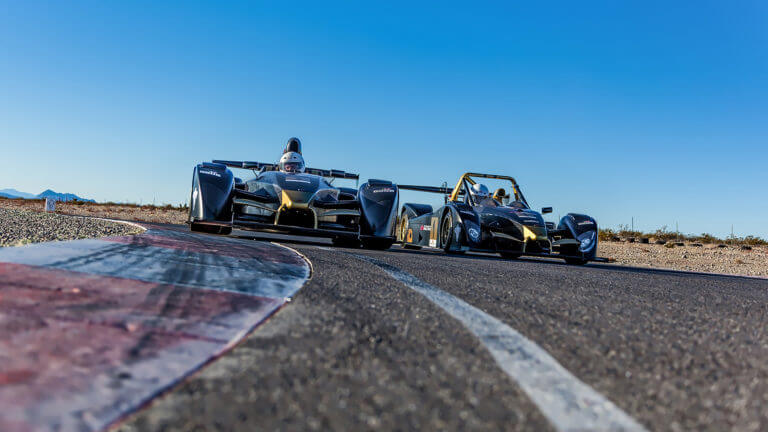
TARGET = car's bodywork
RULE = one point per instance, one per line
(294, 203)
(503, 223)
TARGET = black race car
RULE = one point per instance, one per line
(301, 202)
(494, 223)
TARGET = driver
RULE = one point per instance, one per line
(481, 196)
(292, 163)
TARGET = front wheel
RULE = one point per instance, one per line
(447, 233)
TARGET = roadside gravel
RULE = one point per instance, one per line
(706, 258)
(20, 227)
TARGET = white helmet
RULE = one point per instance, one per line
(292, 162)
(479, 192)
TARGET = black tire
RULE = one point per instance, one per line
(209, 229)
(377, 243)
(403, 233)
(576, 261)
(510, 255)
(346, 242)
(446, 233)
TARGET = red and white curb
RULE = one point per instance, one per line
(91, 329)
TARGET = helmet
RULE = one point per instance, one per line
(291, 162)
(293, 145)
(479, 191)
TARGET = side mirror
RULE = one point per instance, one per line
(545, 210)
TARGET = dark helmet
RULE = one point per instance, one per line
(293, 145)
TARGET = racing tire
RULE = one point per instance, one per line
(346, 242)
(377, 243)
(575, 261)
(510, 255)
(210, 229)
(403, 233)
(446, 233)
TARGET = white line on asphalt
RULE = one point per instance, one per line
(569, 404)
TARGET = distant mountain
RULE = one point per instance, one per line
(13, 193)
(61, 196)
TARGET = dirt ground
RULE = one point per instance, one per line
(707, 258)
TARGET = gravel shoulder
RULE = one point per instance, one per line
(20, 227)
(705, 259)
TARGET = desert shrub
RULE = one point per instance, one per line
(664, 234)
(606, 234)
(625, 231)
(753, 241)
(704, 238)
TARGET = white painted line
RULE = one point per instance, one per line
(569, 404)
(133, 224)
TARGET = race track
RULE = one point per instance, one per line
(366, 344)
(419, 340)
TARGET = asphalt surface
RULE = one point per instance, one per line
(356, 349)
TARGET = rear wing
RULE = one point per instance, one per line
(260, 166)
(430, 189)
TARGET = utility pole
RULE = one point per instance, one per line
(633, 223)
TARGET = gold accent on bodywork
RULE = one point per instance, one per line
(409, 237)
(528, 234)
(433, 230)
(290, 203)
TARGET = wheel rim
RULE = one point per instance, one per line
(445, 234)
(403, 228)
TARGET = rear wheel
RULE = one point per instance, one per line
(403, 233)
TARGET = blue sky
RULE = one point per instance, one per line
(649, 110)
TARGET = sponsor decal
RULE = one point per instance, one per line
(383, 190)
(296, 179)
(585, 223)
(432, 243)
(208, 172)
(409, 237)
(425, 228)
(474, 234)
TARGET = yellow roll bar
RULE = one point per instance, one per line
(468, 177)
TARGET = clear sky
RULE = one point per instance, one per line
(652, 110)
